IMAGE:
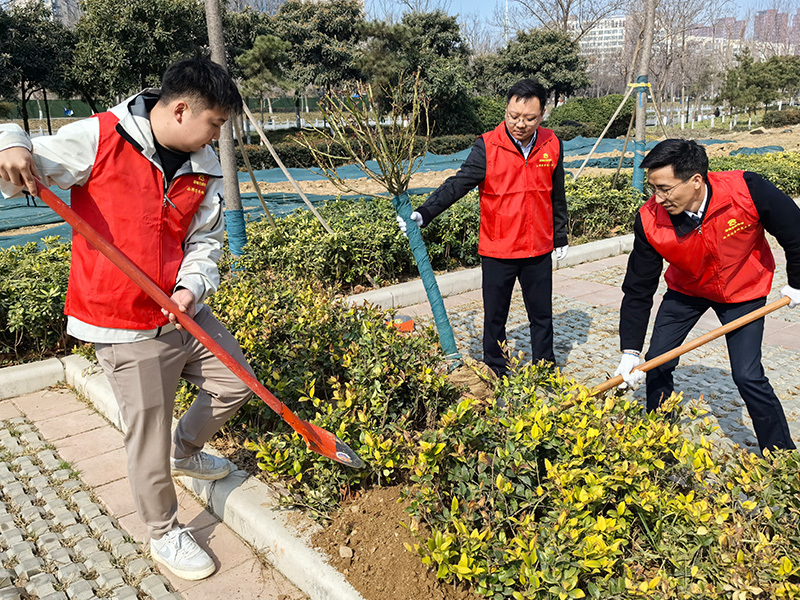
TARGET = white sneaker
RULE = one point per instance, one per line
(201, 466)
(178, 551)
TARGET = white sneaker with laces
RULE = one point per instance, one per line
(178, 551)
(201, 466)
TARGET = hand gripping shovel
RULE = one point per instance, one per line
(317, 439)
(697, 342)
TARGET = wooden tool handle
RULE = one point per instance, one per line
(697, 342)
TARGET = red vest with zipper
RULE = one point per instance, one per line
(726, 259)
(516, 202)
(125, 201)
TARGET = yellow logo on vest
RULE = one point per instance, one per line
(545, 160)
(735, 227)
(198, 185)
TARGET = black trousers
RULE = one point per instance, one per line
(676, 317)
(536, 279)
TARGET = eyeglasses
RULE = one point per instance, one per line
(661, 193)
(521, 119)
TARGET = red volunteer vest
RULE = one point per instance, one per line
(124, 200)
(516, 202)
(727, 259)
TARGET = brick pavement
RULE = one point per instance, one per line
(68, 530)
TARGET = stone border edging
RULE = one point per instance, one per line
(466, 280)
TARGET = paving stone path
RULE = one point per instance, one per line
(56, 541)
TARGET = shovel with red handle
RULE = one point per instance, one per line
(697, 342)
(317, 439)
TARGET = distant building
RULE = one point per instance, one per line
(66, 11)
(606, 37)
(722, 40)
(771, 26)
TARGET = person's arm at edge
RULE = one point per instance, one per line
(471, 173)
(64, 159)
(559, 198)
(780, 217)
(198, 272)
(639, 287)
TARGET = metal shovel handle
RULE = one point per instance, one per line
(697, 342)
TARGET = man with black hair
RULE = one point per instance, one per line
(519, 171)
(709, 227)
(145, 175)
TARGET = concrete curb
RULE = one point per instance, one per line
(458, 282)
(31, 377)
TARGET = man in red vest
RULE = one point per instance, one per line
(709, 227)
(519, 171)
(145, 175)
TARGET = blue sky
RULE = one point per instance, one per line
(485, 8)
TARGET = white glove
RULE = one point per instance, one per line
(415, 216)
(627, 368)
(792, 293)
(561, 253)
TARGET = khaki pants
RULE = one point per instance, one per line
(144, 376)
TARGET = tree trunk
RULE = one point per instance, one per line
(25, 122)
(641, 104)
(47, 112)
(237, 237)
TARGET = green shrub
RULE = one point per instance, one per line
(450, 144)
(781, 118)
(560, 494)
(569, 131)
(342, 368)
(366, 239)
(594, 112)
(33, 285)
(291, 153)
(597, 209)
(491, 111)
(456, 116)
(782, 169)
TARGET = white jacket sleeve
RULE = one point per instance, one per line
(203, 245)
(64, 159)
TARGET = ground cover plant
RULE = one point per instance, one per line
(541, 492)
(33, 286)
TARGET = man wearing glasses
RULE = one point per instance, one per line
(519, 171)
(710, 228)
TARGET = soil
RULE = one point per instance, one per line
(366, 540)
(743, 139)
(366, 543)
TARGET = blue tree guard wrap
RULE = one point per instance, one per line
(402, 206)
(639, 145)
(237, 234)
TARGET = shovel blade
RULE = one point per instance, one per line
(328, 445)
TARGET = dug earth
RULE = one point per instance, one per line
(366, 540)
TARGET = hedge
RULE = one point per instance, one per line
(589, 116)
(781, 118)
(365, 241)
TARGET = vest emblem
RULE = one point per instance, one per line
(735, 227)
(198, 185)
